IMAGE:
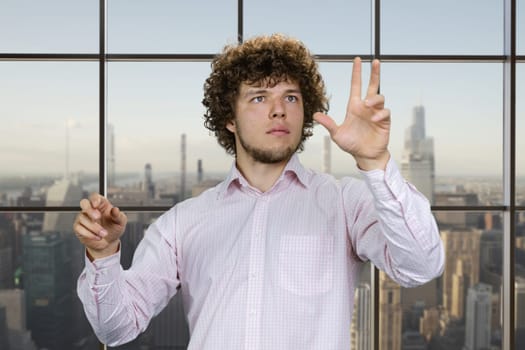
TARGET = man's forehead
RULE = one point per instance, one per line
(268, 83)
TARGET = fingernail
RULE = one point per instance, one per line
(103, 233)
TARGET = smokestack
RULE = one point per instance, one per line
(199, 171)
(183, 167)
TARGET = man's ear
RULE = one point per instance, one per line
(231, 126)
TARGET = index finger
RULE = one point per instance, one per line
(96, 199)
(355, 85)
(88, 209)
(373, 84)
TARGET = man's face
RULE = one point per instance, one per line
(268, 122)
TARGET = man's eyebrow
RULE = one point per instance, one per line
(257, 91)
(254, 91)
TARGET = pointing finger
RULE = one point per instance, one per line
(88, 209)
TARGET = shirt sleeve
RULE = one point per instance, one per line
(119, 304)
(391, 225)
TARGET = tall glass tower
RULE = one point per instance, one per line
(478, 317)
(417, 164)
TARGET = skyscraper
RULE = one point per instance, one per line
(182, 167)
(519, 315)
(110, 146)
(391, 313)
(48, 293)
(6, 254)
(417, 164)
(360, 328)
(461, 267)
(478, 317)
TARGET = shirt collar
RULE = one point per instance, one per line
(293, 170)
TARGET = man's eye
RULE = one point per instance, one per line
(292, 98)
(258, 99)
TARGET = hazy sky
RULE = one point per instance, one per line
(152, 104)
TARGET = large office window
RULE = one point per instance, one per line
(106, 96)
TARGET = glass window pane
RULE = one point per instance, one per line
(49, 138)
(161, 26)
(446, 130)
(520, 27)
(519, 287)
(53, 26)
(520, 131)
(38, 272)
(326, 27)
(442, 27)
(460, 306)
(152, 107)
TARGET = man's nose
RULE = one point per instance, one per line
(277, 110)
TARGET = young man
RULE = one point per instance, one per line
(269, 258)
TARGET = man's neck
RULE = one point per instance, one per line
(261, 176)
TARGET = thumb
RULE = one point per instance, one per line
(115, 215)
(326, 121)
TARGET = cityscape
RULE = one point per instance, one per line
(40, 258)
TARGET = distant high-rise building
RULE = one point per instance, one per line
(200, 173)
(182, 167)
(48, 292)
(110, 146)
(519, 314)
(478, 317)
(491, 258)
(327, 155)
(519, 302)
(6, 253)
(360, 328)
(461, 267)
(147, 183)
(417, 164)
(391, 313)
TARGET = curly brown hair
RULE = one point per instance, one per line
(269, 59)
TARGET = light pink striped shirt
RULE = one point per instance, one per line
(272, 270)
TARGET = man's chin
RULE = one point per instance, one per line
(271, 157)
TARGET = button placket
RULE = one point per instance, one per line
(256, 274)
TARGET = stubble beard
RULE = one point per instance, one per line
(267, 156)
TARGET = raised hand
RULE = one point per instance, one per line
(99, 226)
(366, 129)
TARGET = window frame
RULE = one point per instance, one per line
(509, 59)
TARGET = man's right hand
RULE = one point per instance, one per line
(99, 226)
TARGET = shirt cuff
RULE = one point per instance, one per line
(385, 184)
(102, 271)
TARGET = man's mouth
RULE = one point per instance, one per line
(278, 131)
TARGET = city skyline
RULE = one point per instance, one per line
(149, 119)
